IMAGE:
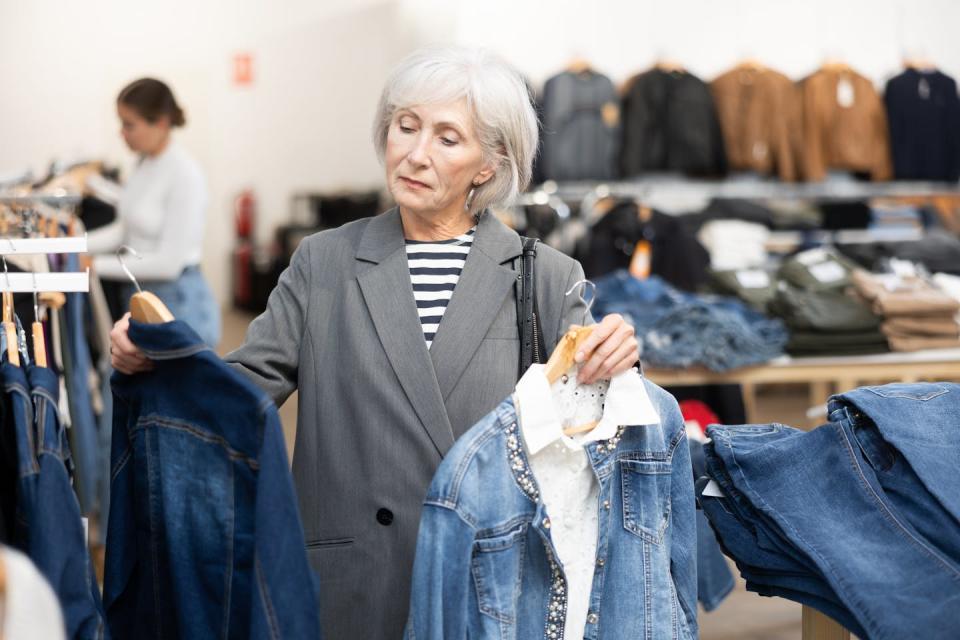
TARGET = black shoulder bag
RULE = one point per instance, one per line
(532, 348)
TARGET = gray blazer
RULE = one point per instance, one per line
(378, 410)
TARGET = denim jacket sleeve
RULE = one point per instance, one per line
(683, 544)
(270, 354)
(441, 576)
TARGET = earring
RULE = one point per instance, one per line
(466, 205)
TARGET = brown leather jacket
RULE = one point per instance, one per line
(760, 116)
(845, 125)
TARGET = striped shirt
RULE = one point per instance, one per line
(435, 268)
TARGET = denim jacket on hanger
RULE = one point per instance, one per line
(485, 562)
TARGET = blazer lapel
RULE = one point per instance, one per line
(388, 294)
(487, 279)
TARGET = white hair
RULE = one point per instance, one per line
(497, 97)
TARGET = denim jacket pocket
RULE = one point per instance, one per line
(497, 568)
(910, 391)
(646, 497)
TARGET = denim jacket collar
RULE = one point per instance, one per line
(627, 403)
(166, 341)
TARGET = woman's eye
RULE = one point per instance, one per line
(448, 142)
(406, 129)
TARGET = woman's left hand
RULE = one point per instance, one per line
(609, 350)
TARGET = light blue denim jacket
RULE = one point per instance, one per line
(485, 562)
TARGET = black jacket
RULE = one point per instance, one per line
(670, 124)
(675, 253)
(924, 115)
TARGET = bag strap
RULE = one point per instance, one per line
(532, 348)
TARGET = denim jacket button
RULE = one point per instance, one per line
(593, 618)
(606, 505)
(385, 517)
(601, 562)
(546, 523)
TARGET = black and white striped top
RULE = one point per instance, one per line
(435, 268)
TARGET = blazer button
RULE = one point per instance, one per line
(385, 517)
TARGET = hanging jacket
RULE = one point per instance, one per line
(923, 111)
(760, 116)
(486, 560)
(581, 127)
(204, 537)
(670, 124)
(48, 524)
(844, 126)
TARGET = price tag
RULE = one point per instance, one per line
(640, 263)
(845, 93)
(753, 279)
(828, 272)
(813, 256)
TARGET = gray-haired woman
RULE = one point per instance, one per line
(400, 331)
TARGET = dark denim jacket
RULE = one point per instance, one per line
(485, 564)
(204, 537)
(48, 524)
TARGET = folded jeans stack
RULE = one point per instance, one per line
(859, 518)
(917, 315)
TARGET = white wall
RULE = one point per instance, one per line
(305, 122)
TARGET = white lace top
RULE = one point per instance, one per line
(568, 486)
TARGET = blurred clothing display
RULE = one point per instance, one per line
(923, 111)
(760, 116)
(845, 125)
(670, 124)
(580, 127)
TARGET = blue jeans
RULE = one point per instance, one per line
(714, 579)
(48, 525)
(679, 329)
(821, 491)
(78, 365)
(204, 537)
(189, 299)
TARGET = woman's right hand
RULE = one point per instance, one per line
(125, 357)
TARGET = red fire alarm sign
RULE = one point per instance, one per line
(243, 69)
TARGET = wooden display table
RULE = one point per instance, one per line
(825, 376)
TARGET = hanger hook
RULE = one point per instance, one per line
(36, 304)
(593, 296)
(123, 265)
(6, 272)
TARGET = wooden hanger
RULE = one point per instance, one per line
(669, 65)
(39, 341)
(145, 307)
(578, 65)
(9, 327)
(835, 65)
(564, 356)
(750, 64)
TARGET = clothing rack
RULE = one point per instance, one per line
(750, 190)
(30, 282)
(52, 199)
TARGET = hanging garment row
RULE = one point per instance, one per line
(750, 120)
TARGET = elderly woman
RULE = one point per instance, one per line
(400, 331)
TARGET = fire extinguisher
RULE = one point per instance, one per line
(243, 217)
(244, 214)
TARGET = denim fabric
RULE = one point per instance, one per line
(678, 329)
(485, 563)
(204, 536)
(714, 578)
(825, 491)
(77, 364)
(190, 300)
(48, 524)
